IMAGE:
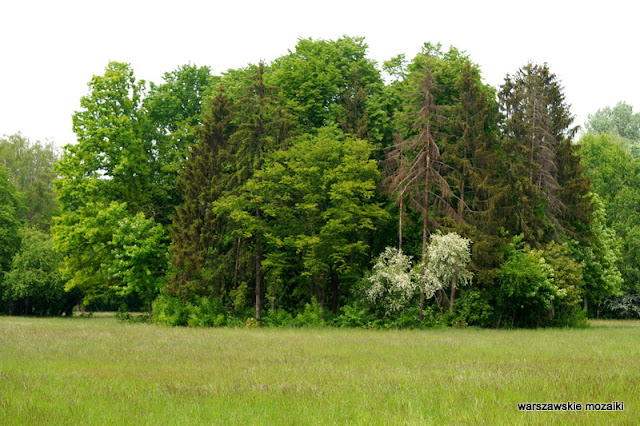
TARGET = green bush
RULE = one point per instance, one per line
(169, 310)
(277, 318)
(355, 315)
(407, 318)
(204, 312)
(573, 316)
(312, 315)
(474, 308)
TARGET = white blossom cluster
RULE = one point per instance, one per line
(445, 263)
(392, 281)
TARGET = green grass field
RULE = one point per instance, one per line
(100, 371)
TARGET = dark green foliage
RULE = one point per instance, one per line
(626, 306)
(11, 213)
(33, 285)
(196, 231)
(173, 112)
(267, 182)
(474, 308)
(537, 122)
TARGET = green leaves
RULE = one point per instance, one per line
(316, 203)
(526, 287)
(33, 285)
(105, 246)
(30, 168)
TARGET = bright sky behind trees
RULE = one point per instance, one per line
(50, 50)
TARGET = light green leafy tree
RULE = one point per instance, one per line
(30, 166)
(616, 183)
(111, 160)
(526, 287)
(567, 276)
(107, 182)
(138, 257)
(617, 121)
(602, 277)
(317, 210)
(104, 247)
(333, 82)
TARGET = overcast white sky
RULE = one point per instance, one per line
(51, 49)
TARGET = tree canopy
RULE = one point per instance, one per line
(273, 193)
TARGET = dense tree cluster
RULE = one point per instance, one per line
(277, 194)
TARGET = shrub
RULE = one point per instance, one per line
(312, 315)
(204, 312)
(277, 318)
(355, 315)
(474, 309)
(392, 283)
(168, 310)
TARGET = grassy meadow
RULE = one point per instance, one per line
(97, 370)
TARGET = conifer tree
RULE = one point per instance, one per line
(196, 229)
(536, 121)
(263, 125)
(422, 180)
(475, 156)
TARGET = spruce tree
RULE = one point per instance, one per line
(418, 172)
(534, 125)
(474, 154)
(263, 125)
(196, 230)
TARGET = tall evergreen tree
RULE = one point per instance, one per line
(263, 126)
(475, 153)
(536, 122)
(196, 230)
(422, 180)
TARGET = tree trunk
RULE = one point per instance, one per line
(335, 296)
(400, 224)
(453, 295)
(236, 265)
(258, 254)
(425, 222)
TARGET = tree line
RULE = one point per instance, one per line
(324, 188)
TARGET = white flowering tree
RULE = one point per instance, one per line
(392, 281)
(445, 265)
